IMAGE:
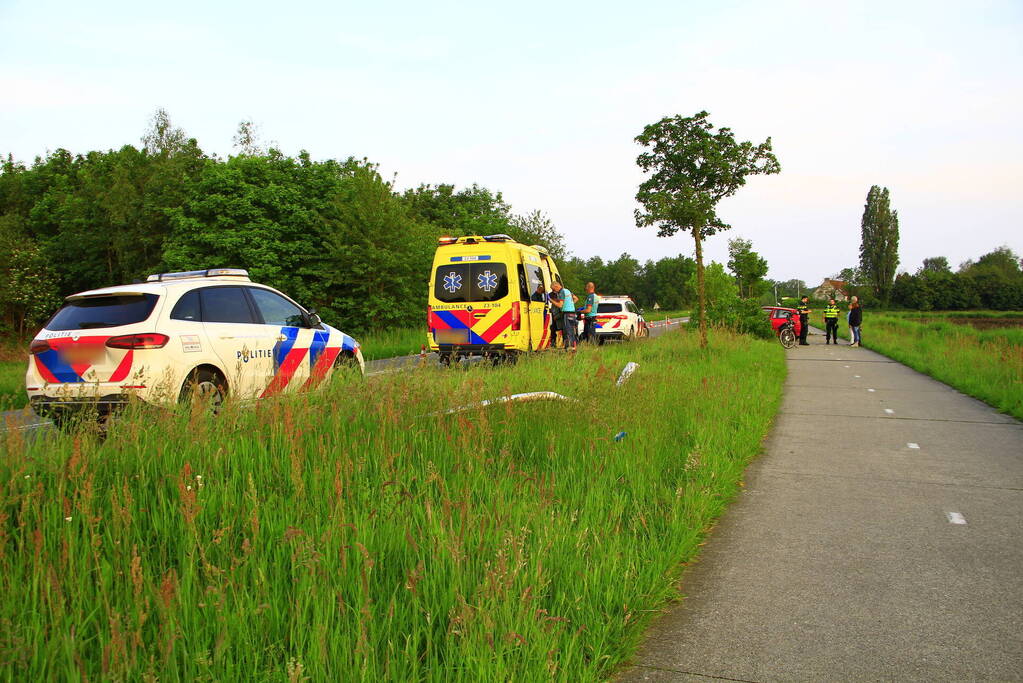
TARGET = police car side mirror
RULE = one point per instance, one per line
(313, 318)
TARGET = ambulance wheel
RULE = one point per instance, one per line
(206, 386)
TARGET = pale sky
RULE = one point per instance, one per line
(542, 100)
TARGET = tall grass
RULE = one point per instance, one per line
(12, 385)
(398, 341)
(985, 364)
(355, 534)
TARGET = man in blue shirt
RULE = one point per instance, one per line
(589, 313)
(564, 300)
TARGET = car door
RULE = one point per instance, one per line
(296, 347)
(537, 287)
(244, 346)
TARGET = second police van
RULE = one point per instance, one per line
(489, 296)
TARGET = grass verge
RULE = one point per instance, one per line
(399, 341)
(354, 534)
(985, 364)
(12, 385)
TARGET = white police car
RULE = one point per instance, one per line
(618, 317)
(212, 332)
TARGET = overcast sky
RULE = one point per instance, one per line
(542, 100)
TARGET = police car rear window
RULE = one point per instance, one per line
(465, 282)
(609, 308)
(103, 311)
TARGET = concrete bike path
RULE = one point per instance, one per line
(877, 538)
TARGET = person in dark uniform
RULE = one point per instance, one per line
(804, 319)
(831, 322)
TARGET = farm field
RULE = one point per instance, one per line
(357, 534)
(980, 353)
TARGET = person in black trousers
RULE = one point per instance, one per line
(831, 322)
(804, 320)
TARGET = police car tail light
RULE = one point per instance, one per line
(147, 340)
(516, 317)
(38, 346)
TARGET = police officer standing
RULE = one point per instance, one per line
(804, 319)
(831, 322)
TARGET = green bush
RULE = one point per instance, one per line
(739, 315)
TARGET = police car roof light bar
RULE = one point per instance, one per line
(210, 272)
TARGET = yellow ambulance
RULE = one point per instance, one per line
(489, 296)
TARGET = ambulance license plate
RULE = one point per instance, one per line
(451, 336)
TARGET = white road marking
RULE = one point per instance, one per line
(871, 390)
(856, 376)
(913, 445)
(955, 518)
(889, 411)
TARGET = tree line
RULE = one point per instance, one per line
(333, 234)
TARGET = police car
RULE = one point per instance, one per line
(618, 317)
(210, 332)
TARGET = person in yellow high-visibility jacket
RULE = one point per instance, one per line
(831, 322)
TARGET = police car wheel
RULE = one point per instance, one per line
(204, 385)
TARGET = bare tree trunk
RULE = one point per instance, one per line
(701, 293)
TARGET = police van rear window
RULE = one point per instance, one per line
(466, 282)
(103, 311)
(609, 308)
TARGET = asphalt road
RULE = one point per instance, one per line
(26, 420)
(878, 538)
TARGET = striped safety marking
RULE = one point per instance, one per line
(54, 370)
(287, 359)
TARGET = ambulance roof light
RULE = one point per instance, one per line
(500, 237)
(447, 240)
(209, 272)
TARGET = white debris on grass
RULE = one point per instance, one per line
(514, 398)
(626, 373)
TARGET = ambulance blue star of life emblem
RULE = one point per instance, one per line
(487, 281)
(452, 282)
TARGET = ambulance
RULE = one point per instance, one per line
(210, 332)
(489, 296)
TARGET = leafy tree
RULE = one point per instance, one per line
(666, 282)
(163, 137)
(850, 276)
(719, 286)
(792, 288)
(247, 140)
(748, 267)
(935, 264)
(537, 228)
(691, 168)
(879, 246)
(28, 290)
(472, 211)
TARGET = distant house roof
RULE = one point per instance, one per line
(829, 286)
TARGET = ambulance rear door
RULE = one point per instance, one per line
(538, 285)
